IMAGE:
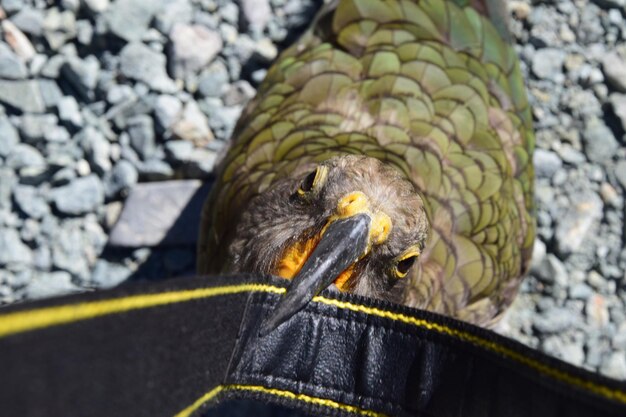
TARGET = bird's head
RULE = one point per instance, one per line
(351, 221)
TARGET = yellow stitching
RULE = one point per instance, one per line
(306, 398)
(200, 402)
(604, 391)
(279, 393)
(23, 321)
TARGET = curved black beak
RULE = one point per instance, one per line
(343, 243)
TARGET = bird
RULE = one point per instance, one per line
(388, 154)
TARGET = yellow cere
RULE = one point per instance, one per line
(357, 202)
(352, 204)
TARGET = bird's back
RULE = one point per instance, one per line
(432, 88)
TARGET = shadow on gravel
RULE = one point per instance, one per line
(175, 254)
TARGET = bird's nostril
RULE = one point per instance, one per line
(352, 204)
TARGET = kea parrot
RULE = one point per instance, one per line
(387, 153)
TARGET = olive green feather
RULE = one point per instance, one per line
(431, 87)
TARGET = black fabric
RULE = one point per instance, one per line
(149, 362)
(362, 357)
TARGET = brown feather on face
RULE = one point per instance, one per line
(287, 220)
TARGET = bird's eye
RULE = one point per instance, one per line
(405, 263)
(313, 180)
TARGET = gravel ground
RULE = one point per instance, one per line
(97, 95)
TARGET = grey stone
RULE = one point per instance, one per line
(82, 195)
(112, 213)
(547, 63)
(8, 137)
(539, 253)
(167, 110)
(597, 311)
(192, 48)
(201, 164)
(546, 163)
(580, 291)
(151, 213)
(179, 150)
(69, 112)
(11, 66)
(258, 76)
(120, 93)
(42, 258)
(30, 230)
(63, 176)
(213, 81)
(618, 103)
(50, 284)
(570, 155)
(574, 226)
(193, 126)
(596, 280)
(129, 19)
(614, 365)
(96, 6)
(238, 93)
(24, 155)
(614, 68)
(20, 44)
(52, 67)
(13, 250)
(84, 32)
(177, 11)
(29, 21)
(142, 138)
(220, 117)
(620, 173)
(50, 92)
(155, 170)
(97, 149)
(82, 74)
(229, 13)
(570, 352)
(59, 27)
(12, 6)
(619, 342)
(266, 50)
(600, 144)
(57, 134)
(142, 63)
(121, 178)
(34, 127)
(8, 180)
(108, 274)
(30, 201)
(552, 271)
(257, 13)
(554, 320)
(72, 5)
(23, 95)
(69, 249)
(121, 113)
(9, 219)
